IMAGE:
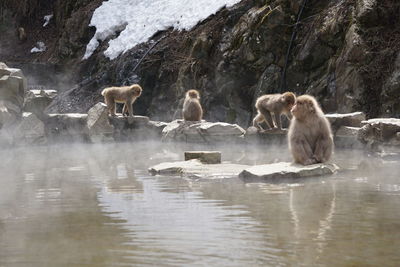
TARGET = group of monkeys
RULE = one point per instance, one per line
(309, 135)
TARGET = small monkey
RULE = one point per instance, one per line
(310, 136)
(192, 110)
(276, 104)
(21, 34)
(123, 94)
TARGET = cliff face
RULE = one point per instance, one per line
(346, 53)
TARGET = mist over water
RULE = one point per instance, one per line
(96, 205)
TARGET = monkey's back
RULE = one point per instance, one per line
(119, 94)
(192, 110)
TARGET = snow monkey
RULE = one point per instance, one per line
(123, 94)
(192, 110)
(276, 104)
(310, 136)
(21, 34)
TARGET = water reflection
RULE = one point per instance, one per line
(96, 205)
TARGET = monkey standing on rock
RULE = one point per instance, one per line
(275, 104)
(124, 94)
(192, 110)
(310, 136)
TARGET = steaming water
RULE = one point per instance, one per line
(89, 205)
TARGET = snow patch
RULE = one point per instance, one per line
(40, 47)
(138, 20)
(47, 19)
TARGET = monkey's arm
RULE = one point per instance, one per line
(302, 152)
(323, 147)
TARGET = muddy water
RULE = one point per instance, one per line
(92, 205)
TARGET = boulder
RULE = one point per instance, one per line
(136, 128)
(36, 101)
(13, 85)
(12, 92)
(381, 130)
(207, 157)
(195, 169)
(346, 137)
(270, 137)
(66, 127)
(99, 127)
(347, 131)
(202, 132)
(6, 118)
(348, 119)
(29, 130)
(121, 122)
(285, 170)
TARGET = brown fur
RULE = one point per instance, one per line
(21, 34)
(310, 136)
(192, 110)
(124, 94)
(275, 104)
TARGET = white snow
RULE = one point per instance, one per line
(138, 20)
(40, 47)
(47, 19)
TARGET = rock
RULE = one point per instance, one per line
(120, 121)
(367, 13)
(251, 131)
(381, 130)
(202, 132)
(6, 118)
(195, 169)
(347, 131)
(67, 127)
(136, 128)
(13, 72)
(348, 78)
(3, 65)
(36, 101)
(30, 130)
(285, 170)
(12, 92)
(99, 127)
(347, 137)
(391, 90)
(348, 119)
(207, 157)
(12, 89)
(158, 126)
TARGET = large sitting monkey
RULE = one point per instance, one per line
(310, 136)
(274, 104)
(124, 94)
(192, 110)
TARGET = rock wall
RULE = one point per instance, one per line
(343, 52)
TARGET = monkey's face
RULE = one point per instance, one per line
(288, 100)
(193, 94)
(302, 108)
(137, 91)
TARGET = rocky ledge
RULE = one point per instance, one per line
(24, 120)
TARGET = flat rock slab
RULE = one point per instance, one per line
(207, 157)
(194, 168)
(349, 119)
(285, 170)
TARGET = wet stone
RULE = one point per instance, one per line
(206, 157)
(195, 169)
(285, 170)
